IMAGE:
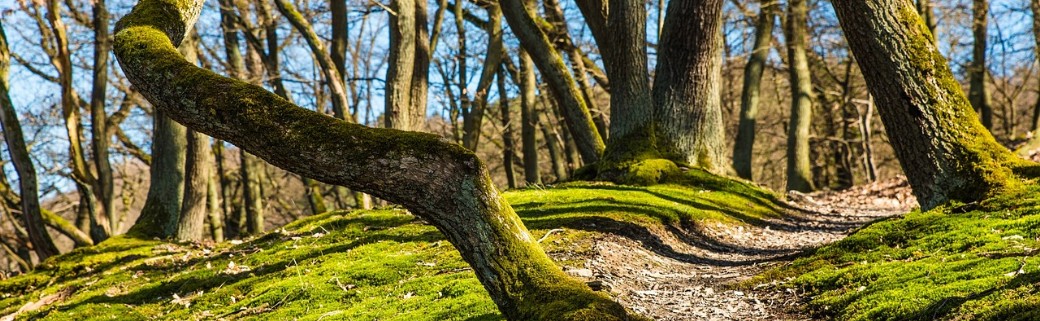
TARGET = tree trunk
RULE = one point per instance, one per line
(216, 220)
(1034, 5)
(473, 122)
(687, 86)
(631, 106)
(82, 176)
(555, 73)
(340, 36)
(743, 150)
(978, 92)
(408, 69)
(199, 170)
(507, 130)
(799, 167)
(924, 8)
(27, 185)
(529, 119)
(103, 187)
(252, 192)
(943, 149)
(443, 183)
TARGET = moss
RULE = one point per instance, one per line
(368, 265)
(958, 261)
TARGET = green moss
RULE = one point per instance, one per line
(959, 261)
(367, 265)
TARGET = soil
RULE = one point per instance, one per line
(689, 273)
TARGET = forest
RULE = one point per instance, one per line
(520, 160)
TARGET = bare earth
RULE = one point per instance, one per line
(683, 275)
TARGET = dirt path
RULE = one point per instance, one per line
(676, 275)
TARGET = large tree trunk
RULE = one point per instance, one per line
(554, 72)
(631, 106)
(103, 187)
(743, 150)
(943, 149)
(978, 92)
(799, 166)
(687, 101)
(443, 183)
(27, 185)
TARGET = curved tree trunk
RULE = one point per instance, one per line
(438, 181)
(799, 167)
(944, 150)
(27, 185)
(744, 148)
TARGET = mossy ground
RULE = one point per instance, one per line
(959, 262)
(366, 265)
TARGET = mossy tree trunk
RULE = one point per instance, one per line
(799, 166)
(16, 147)
(743, 149)
(687, 93)
(978, 92)
(924, 8)
(944, 150)
(681, 119)
(441, 182)
(554, 71)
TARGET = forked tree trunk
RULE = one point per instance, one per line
(799, 167)
(945, 151)
(438, 181)
(27, 185)
(743, 150)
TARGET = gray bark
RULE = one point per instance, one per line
(978, 92)
(799, 166)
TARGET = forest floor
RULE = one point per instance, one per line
(699, 277)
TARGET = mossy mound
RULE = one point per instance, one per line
(365, 265)
(959, 262)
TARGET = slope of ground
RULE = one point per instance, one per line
(957, 262)
(672, 252)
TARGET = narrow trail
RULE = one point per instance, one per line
(683, 275)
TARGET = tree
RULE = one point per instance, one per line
(407, 74)
(104, 185)
(744, 147)
(944, 150)
(978, 92)
(799, 167)
(441, 182)
(12, 130)
(198, 167)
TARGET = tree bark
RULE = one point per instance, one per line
(799, 166)
(1034, 6)
(27, 184)
(472, 124)
(82, 176)
(100, 138)
(507, 130)
(978, 92)
(924, 8)
(529, 119)
(441, 182)
(943, 149)
(743, 149)
(554, 72)
(199, 171)
(408, 69)
(687, 86)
